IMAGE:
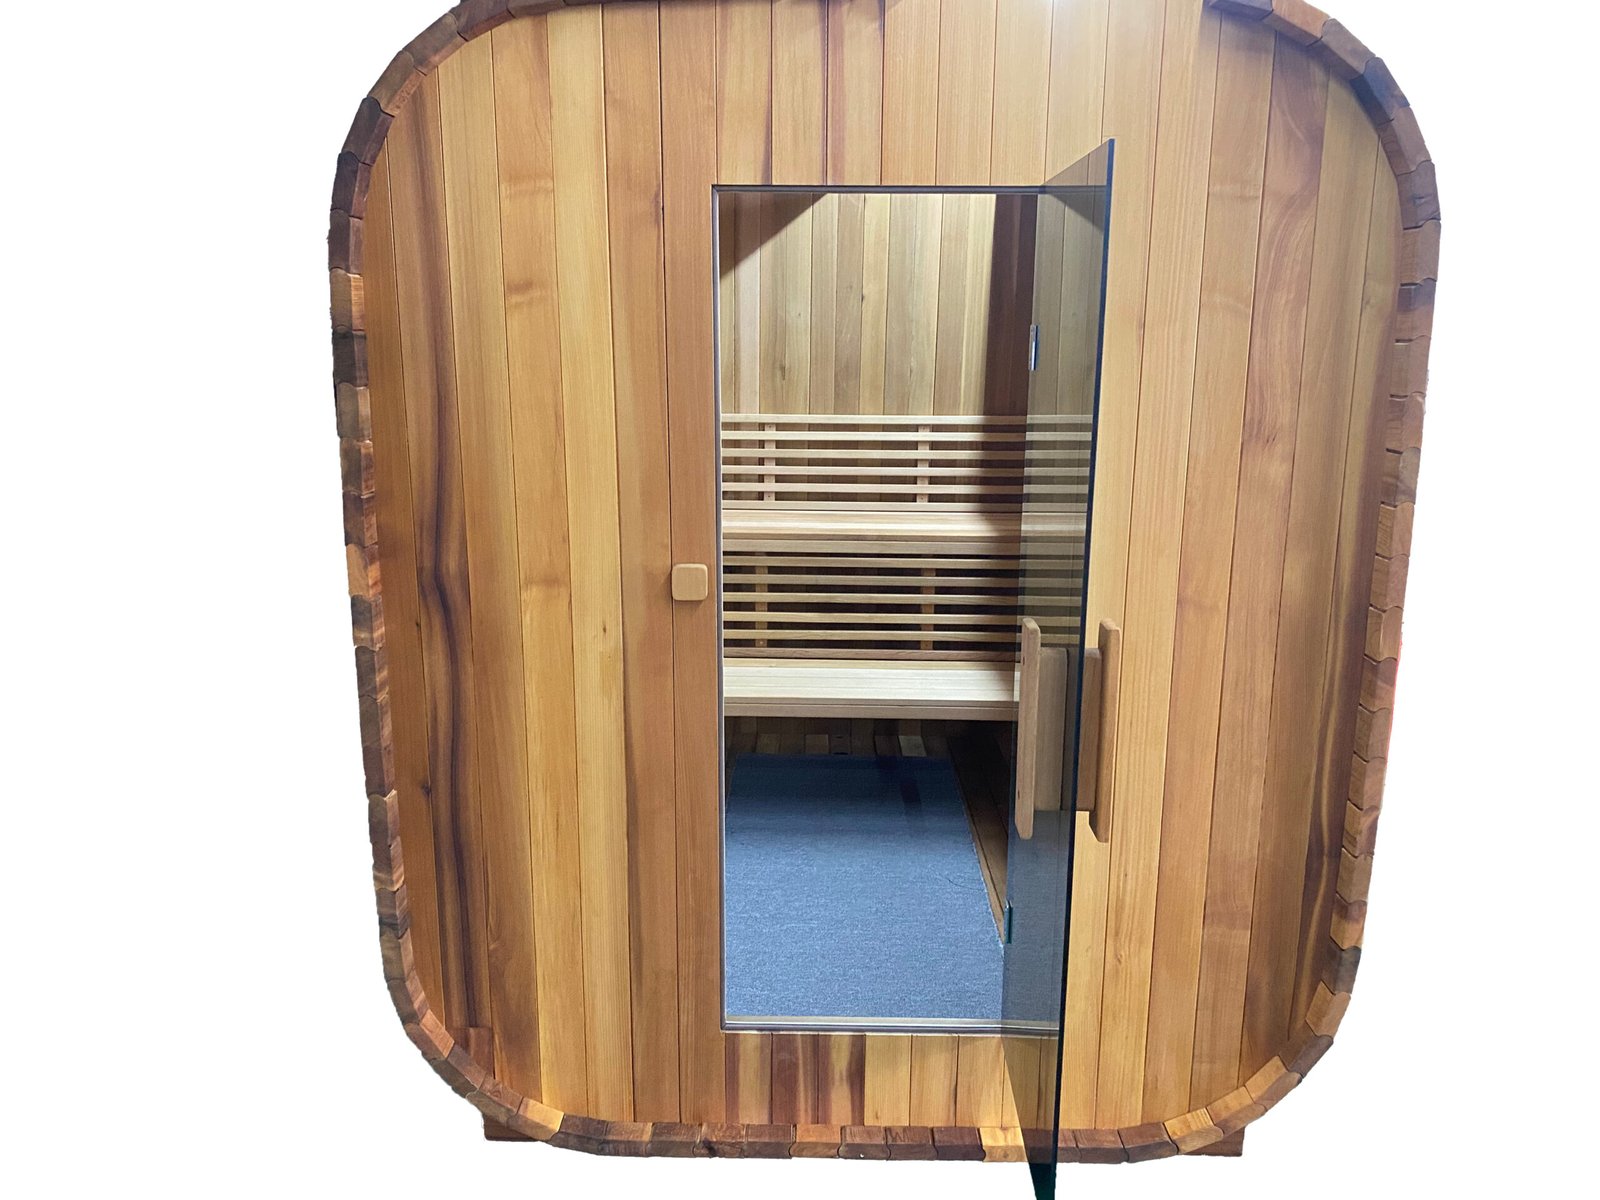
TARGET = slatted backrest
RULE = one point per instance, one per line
(898, 537)
(847, 462)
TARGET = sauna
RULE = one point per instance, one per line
(877, 538)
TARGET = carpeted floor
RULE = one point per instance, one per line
(852, 889)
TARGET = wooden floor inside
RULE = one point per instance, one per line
(979, 751)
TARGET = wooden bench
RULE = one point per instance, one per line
(873, 566)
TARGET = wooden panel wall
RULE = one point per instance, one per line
(538, 276)
(874, 303)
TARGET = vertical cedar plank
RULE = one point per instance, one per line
(841, 1079)
(402, 613)
(933, 1081)
(874, 303)
(966, 91)
(887, 1093)
(538, 431)
(981, 1086)
(1358, 522)
(739, 229)
(1133, 77)
(689, 86)
(1077, 81)
(796, 1070)
(913, 303)
(785, 309)
(825, 295)
(1078, 34)
(472, 207)
(966, 260)
(1166, 381)
(799, 90)
(855, 91)
(1021, 92)
(1338, 270)
(422, 276)
(588, 398)
(910, 92)
(744, 91)
(749, 1078)
(638, 302)
(1233, 219)
(1272, 397)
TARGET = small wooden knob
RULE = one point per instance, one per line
(691, 582)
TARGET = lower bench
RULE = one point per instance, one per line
(932, 690)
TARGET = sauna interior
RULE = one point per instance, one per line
(859, 512)
(907, 386)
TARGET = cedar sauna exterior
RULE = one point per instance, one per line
(526, 366)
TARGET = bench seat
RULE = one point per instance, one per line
(934, 530)
(929, 690)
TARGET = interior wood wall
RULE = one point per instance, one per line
(857, 303)
(539, 285)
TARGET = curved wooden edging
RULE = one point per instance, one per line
(1397, 127)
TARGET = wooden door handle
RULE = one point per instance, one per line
(691, 582)
(1097, 747)
(1041, 727)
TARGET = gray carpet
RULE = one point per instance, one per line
(853, 890)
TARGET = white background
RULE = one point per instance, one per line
(191, 985)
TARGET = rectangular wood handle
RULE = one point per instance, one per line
(691, 582)
(1041, 727)
(1097, 748)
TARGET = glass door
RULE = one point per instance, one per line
(1069, 286)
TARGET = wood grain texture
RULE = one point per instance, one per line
(579, 148)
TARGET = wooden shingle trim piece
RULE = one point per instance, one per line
(822, 1141)
(344, 241)
(1408, 374)
(1360, 829)
(1366, 781)
(1403, 142)
(367, 131)
(1395, 524)
(1005, 1144)
(1193, 1130)
(1349, 921)
(1143, 1143)
(1401, 471)
(864, 1141)
(474, 17)
(350, 359)
(1340, 965)
(1327, 1011)
(399, 79)
(1378, 682)
(1344, 53)
(1248, 10)
(1389, 581)
(1373, 730)
(674, 1139)
(1271, 1083)
(1403, 429)
(1306, 1050)
(768, 1141)
(352, 179)
(1378, 92)
(1383, 634)
(1355, 876)
(1419, 196)
(353, 412)
(349, 301)
(1099, 1146)
(1419, 253)
(1298, 21)
(912, 1143)
(956, 1144)
(435, 43)
(1234, 1111)
(1415, 318)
